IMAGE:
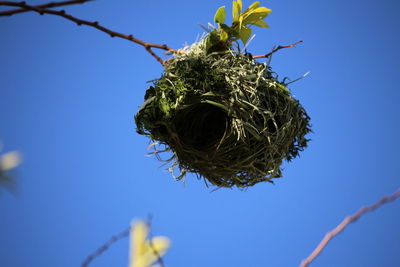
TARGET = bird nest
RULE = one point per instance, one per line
(224, 116)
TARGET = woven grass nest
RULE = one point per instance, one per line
(224, 116)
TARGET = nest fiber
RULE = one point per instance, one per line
(224, 116)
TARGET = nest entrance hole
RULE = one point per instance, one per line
(201, 126)
(274, 125)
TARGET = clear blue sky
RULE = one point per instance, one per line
(68, 95)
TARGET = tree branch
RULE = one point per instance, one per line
(105, 247)
(344, 224)
(94, 24)
(277, 49)
(48, 5)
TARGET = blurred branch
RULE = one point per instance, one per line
(94, 24)
(159, 258)
(48, 5)
(105, 247)
(277, 49)
(344, 224)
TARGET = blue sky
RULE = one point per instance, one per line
(68, 95)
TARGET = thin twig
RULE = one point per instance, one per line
(278, 48)
(48, 5)
(94, 24)
(159, 258)
(343, 225)
(105, 247)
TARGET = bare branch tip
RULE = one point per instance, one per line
(46, 9)
(346, 221)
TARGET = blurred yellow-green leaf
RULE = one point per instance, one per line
(260, 23)
(245, 33)
(240, 5)
(252, 6)
(225, 28)
(144, 252)
(220, 15)
(235, 11)
(240, 21)
(10, 160)
(256, 15)
(224, 35)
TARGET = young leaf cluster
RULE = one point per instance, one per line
(221, 37)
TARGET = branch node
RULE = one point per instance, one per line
(277, 49)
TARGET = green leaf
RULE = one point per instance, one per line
(225, 32)
(226, 28)
(220, 15)
(256, 15)
(223, 35)
(234, 34)
(240, 5)
(235, 11)
(240, 22)
(260, 23)
(212, 39)
(262, 10)
(254, 5)
(244, 34)
(213, 36)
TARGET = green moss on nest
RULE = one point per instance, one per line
(224, 116)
